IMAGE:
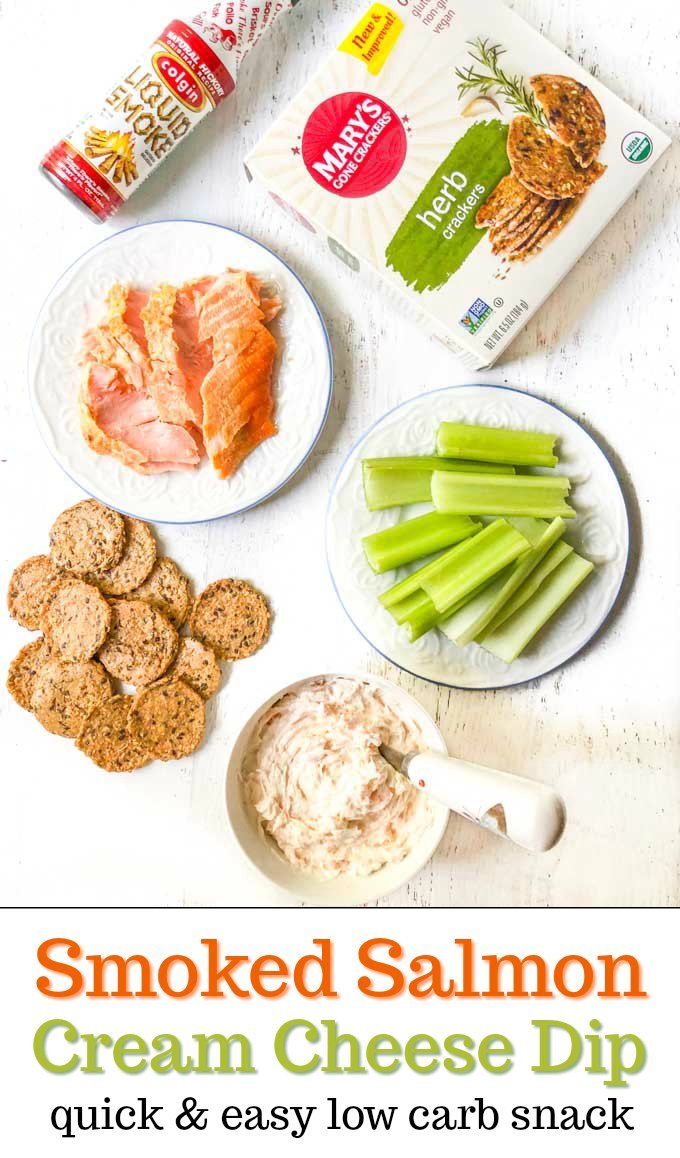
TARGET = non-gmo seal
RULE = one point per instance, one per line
(353, 144)
(637, 147)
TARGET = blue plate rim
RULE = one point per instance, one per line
(324, 418)
(511, 390)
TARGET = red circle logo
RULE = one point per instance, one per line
(353, 144)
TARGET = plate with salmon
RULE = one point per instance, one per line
(180, 371)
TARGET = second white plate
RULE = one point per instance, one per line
(600, 532)
(176, 251)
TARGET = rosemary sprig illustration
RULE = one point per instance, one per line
(494, 79)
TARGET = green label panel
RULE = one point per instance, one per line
(439, 231)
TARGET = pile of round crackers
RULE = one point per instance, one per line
(551, 171)
(111, 611)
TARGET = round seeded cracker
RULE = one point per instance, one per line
(107, 739)
(142, 643)
(168, 719)
(75, 618)
(197, 665)
(573, 113)
(544, 165)
(542, 236)
(532, 231)
(518, 219)
(536, 210)
(506, 199)
(231, 617)
(24, 669)
(28, 588)
(87, 538)
(167, 589)
(65, 694)
(502, 240)
(135, 564)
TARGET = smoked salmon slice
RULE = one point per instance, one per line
(238, 404)
(179, 358)
(124, 323)
(179, 371)
(237, 401)
(118, 417)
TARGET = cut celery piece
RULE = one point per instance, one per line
(385, 487)
(494, 444)
(415, 538)
(418, 613)
(541, 497)
(422, 617)
(453, 626)
(411, 606)
(471, 624)
(530, 586)
(408, 586)
(509, 641)
(436, 462)
(532, 529)
(471, 563)
(425, 617)
(398, 482)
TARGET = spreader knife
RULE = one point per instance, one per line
(524, 811)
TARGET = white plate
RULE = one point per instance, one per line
(175, 251)
(262, 852)
(600, 532)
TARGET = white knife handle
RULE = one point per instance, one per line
(526, 812)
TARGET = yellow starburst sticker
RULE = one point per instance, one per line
(373, 37)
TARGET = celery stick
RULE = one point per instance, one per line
(492, 444)
(436, 462)
(508, 641)
(412, 582)
(422, 617)
(418, 613)
(398, 482)
(478, 494)
(463, 632)
(530, 586)
(385, 488)
(532, 529)
(467, 615)
(473, 562)
(415, 538)
(412, 605)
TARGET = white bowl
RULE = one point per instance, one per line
(262, 852)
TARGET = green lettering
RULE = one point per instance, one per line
(70, 1034)
(130, 1045)
(375, 1050)
(495, 1045)
(545, 1043)
(225, 1044)
(618, 1069)
(284, 1032)
(422, 1045)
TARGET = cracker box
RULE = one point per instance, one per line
(462, 156)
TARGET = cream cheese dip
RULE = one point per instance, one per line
(319, 786)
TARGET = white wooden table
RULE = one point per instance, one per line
(604, 730)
